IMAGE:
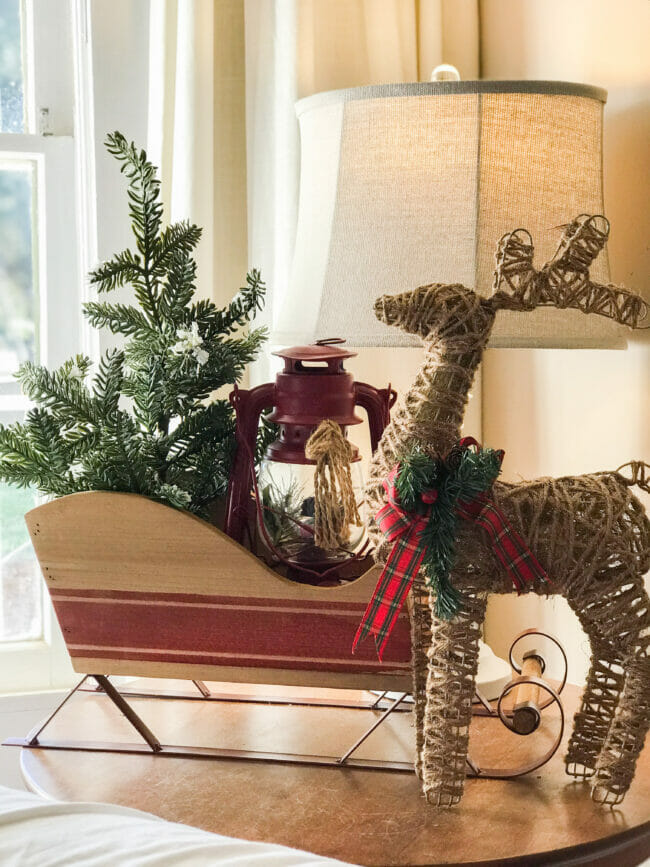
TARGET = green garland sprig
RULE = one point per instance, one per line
(463, 474)
(145, 423)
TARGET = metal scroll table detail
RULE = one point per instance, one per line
(525, 716)
(522, 718)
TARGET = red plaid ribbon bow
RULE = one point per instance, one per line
(405, 530)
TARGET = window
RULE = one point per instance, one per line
(21, 616)
(40, 294)
(12, 100)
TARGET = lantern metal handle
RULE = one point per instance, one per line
(378, 403)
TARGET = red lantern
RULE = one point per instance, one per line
(312, 387)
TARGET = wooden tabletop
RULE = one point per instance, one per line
(364, 817)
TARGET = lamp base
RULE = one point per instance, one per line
(493, 672)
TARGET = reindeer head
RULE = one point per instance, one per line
(564, 280)
(454, 313)
(438, 311)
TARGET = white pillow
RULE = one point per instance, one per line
(39, 833)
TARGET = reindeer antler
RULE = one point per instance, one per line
(564, 280)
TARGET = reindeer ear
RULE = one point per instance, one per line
(514, 275)
(567, 282)
(582, 240)
(564, 281)
(612, 302)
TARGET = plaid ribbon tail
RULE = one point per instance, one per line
(510, 549)
(405, 531)
(392, 588)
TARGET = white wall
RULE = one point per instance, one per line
(566, 412)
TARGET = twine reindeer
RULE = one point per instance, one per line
(589, 532)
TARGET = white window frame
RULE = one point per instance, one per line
(56, 45)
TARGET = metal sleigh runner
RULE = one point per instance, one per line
(437, 503)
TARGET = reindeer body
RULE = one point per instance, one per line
(589, 532)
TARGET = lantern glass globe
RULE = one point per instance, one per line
(286, 499)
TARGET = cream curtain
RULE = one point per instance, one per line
(221, 119)
(298, 47)
(196, 130)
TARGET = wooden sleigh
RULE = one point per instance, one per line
(143, 590)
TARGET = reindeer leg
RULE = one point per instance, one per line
(453, 661)
(617, 760)
(600, 619)
(618, 757)
(599, 701)
(420, 642)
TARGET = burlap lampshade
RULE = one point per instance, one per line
(408, 184)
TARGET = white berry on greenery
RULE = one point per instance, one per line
(190, 341)
(143, 424)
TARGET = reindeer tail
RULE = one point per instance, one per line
(639, 475)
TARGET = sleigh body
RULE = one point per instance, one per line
(144, 590)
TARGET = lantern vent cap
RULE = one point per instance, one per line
(324, 350)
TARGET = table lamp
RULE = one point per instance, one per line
(407, 184)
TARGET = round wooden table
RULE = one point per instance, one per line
(364, 817)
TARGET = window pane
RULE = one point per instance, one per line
(21, 616)
(18, 295)
(12, 101)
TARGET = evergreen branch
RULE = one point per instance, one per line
(417, 473)
(15, 446)
(148, 298)
(108, 385)
(32, 475)
(147, 388)
(166, 444)
(246, 303)
(118, 318)
(207, 475)
(124, 267)
(44, 436)
(138, 351)
(229, 358)
(173, 495)
(178, 290)
(145, 210)
(59, 391)
(179, 238)
(25, 461)
(211, 424)
(121, 463)
(80, 438)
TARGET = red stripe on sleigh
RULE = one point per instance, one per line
(219, 630)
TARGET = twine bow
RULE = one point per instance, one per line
(335, 506)
(564, 281)
(424, 499)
